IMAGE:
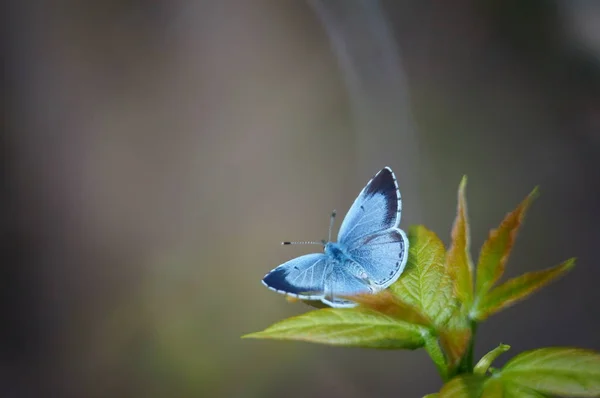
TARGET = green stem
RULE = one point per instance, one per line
(437, 356)
(471, 349)
(466, 364)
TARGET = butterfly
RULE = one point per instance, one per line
(369, 256)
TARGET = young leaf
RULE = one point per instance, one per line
(484, 363)
(458, 258)
(388, 304)
(495, 251)
(517, 289)
(499, 388)
(464, 386)
(425, 283)
(514, 390)
(562, 371)
(494, 388)
(346, 327)
(432, 346)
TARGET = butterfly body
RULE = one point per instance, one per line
(336, 252)
(370, 254)
(340, 258)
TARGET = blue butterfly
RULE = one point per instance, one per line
(369, 256)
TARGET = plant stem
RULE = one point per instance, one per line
(437, 356)
(466, 364)
(471, 349)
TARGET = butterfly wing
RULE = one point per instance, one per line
(302, 277)
(339, 283)
(383, 256)
(376, 209)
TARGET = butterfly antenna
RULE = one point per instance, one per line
(302, 243)
(331, 220)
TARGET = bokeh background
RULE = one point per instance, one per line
(155, 154)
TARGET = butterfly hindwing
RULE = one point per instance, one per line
(376, 209)
(383, 256)
(302, 277)
(339, 283)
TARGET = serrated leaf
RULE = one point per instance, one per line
(387, 303)
(496, 249)
(517, 289)
(425, 283)
(562, 371)
(458, 258)
(464, 386)
(346, 327)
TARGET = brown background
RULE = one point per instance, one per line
(157, 152)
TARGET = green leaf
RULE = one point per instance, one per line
(432, 346)
(498, 388)
(434, 395)
(387, 303)
(562, 371)
(517, 289)
(495, 251)
(464, 386)
(458, 258)
(495, 387)
(425, 283)
(475, 386)
(484, 363)
(346, 327)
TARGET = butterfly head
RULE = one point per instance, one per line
(335, 250)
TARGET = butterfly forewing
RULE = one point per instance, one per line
(376, 209)
(302, 277)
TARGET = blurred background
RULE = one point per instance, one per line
(156, 153)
